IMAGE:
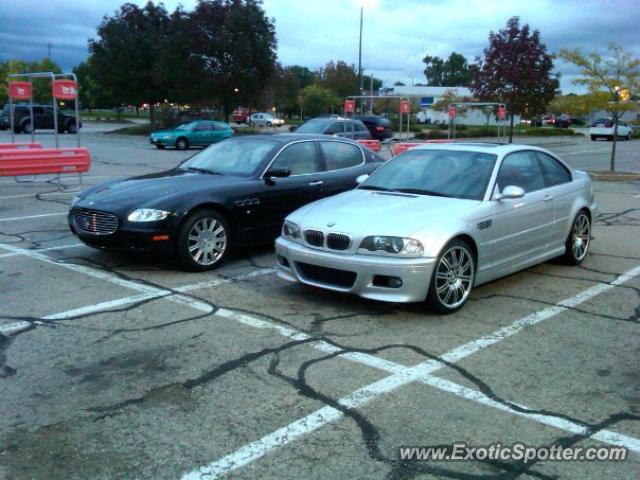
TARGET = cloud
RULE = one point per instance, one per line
(396, 35)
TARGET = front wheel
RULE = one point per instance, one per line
(593, 138)
(27, 127)
(578, 240)
(452, 278)
(182, 143)
(203, 241)
(71, 128)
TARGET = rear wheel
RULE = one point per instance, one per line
(452, 278)
(71, 127)
(159, 146)
(578, 240)
(182, 143)
(268, 124)
(203, 241)
(594, 138)
(27, 127)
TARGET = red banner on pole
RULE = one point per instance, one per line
(453, 111)
(20, 90)
(502, 113)
(64, 89)
(349, 106)
(405, 106)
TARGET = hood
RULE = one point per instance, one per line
(155, 190)
(366, 212)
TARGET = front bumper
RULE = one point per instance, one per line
(128, 239)
(295, 262)
(167, 142)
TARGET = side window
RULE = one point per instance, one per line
(335, 127)
(521, 170)
(553, 172)
(340, 155)
(359, 127)
(300, 158)
(219, 126)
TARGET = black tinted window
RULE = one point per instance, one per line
(521, 170)
(340, 155)
(300, 158)
(553, 172)
(335, 127)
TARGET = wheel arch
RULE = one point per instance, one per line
(209, 205)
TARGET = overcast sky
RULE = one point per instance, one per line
(397, 33)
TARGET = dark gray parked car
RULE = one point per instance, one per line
(340, 127)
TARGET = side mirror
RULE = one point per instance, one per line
(510, 192)
(361, 178)
(276, 173)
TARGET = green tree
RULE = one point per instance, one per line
(617, 75)
(316, 100)
(517, 70)
(288, 83)
(452, 72)
(41, 86)
(91, 93)
(233, 43)
(340, 78)
(126, 51)
(579, 105)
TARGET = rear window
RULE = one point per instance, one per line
(340, 155)
(607, 123)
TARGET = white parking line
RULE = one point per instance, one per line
(420, 372)
(6, 197)
(48, 249)
(581, 152)
(14, 219)
(12, 328)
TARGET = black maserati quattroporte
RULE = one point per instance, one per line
(233, 194)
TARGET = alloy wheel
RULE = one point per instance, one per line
(207, 241)
(454, 277)
(580, 236)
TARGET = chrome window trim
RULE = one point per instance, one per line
(329, 139)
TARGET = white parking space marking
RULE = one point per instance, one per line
(420, 372)
(28, 217)
(104, 307)
(6, 197)
(48, 249)
(582, 152)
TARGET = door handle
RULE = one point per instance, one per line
(548, 198)
(316, 183)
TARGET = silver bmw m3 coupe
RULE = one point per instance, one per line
(438, 220)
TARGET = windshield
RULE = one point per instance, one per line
(447, 173)
(186, 126)
(233, 157)
(313, 126)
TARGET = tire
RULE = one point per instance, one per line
(159, 146)
(26, 127)
(629, 137)
(182, 144)
(593, 138)
(576, 248)
(71, 128)
(269, 124)
(451, 285)
(610, 138)
(203, 241)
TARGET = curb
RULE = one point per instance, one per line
(614, 176)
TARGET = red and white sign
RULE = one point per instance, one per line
(502, 113)
(20, 90)
(405, 106)
(64, 89)
(453, 111)
(349, 106)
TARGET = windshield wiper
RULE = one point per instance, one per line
(421, 192)
(374, 187)
(202, 170)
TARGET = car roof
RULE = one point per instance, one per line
(488, 147)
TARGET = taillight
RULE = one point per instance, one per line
(379, 129)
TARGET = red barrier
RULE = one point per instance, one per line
(19, 146)
(373, 145)
(43, 161)
(399, 148)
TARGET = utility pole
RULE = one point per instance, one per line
(360, 55)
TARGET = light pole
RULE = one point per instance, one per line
(360, 54)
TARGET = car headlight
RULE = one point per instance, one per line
(147, 215)
(75, 200)
(291, 231)
(409, 247)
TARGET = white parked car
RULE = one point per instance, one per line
(265, 120)
(603, 128)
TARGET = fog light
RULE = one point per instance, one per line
(387, 282)
(283, 261)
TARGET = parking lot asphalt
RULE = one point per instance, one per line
(113, 366)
